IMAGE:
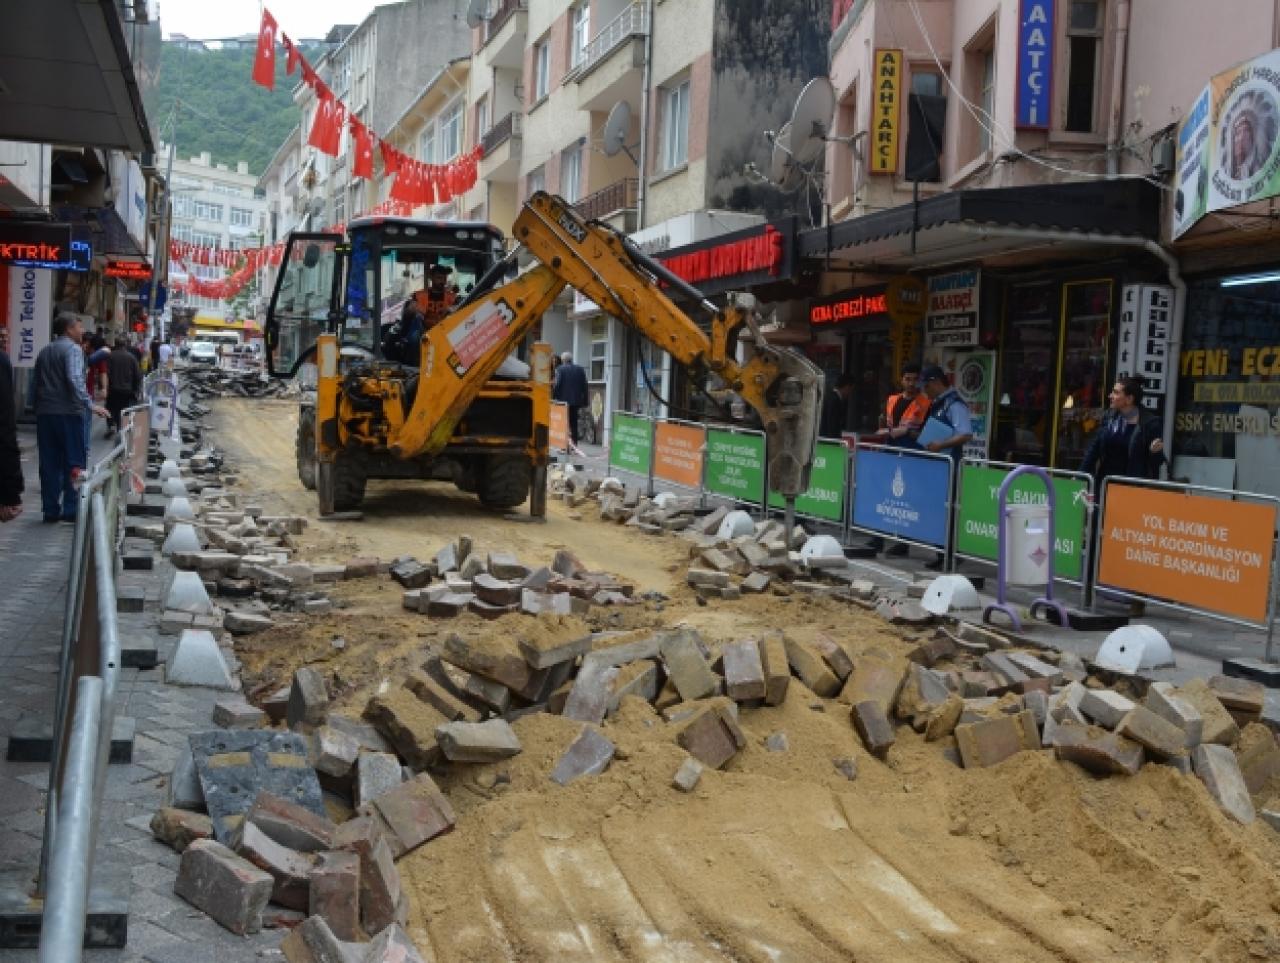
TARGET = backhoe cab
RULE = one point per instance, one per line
(406, 386)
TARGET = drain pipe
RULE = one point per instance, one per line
(1142, 243)
(1120, 62)
(642, 166)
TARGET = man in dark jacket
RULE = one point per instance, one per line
(124, 382)
(1127, 443)
(11, 483)
(835, 406)
(571, 388)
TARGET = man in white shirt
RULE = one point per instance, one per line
(166, 355)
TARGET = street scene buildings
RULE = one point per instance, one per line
(642, 480)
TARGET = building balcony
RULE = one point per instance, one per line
(501, 145)
(612, 63)
(504, 34)
(615, 204)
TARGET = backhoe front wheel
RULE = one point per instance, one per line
(505, 481)
(304, 448)
(339, 484)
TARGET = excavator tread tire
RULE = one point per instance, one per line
(348, 484)
(505, 483)
(304, 448)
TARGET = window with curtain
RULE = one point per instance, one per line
(675, 126)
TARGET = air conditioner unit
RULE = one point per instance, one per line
(1163, 157)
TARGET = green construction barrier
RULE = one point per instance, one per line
(825, 498)
(735, 465)
(631, 443)
(976, 531)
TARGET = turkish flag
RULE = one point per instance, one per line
(390, 158)
(326, 130)
(292, 53)
(264, 62)
(362, 165)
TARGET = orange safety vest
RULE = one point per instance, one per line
(435, 308)
(913, 416)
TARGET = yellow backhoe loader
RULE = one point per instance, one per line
(400, 387)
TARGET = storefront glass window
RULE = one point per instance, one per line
(1227, 428)
(1082, 388)
(1028, 361)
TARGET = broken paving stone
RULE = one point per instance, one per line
(179, 828)
(567, 564)
(811, 667)
(496, 591)
(943, 720)
(835, 655)
(380, 886)
(237, 714)
(876, 679)
(542, 653)
(226, 887)
(588, 755)
(1243, 698)
(707, 578)
(1258, 756)
(1217, 725)
(712, 735)
(755, 583)
(687, 668)
(504, 565)
(409, 725)
(291, 825)
(1105, 707)
(1218, 770)
(245, 623)
(505, 665)
(308, 698)
(392, 945)
(777, 742)
(1163, 700)
(414, 812)
(743, 671)
(1153, 733)
(994, 740)
(360, 568)
(439, 698)
(592, 689)
(335, 893)
(1096, 750)
(489, 611)
(333, 753)
(847, 766)
(874, 728)
(688, 775)
(477, 741)
(777, 670)
(313, 941)
(411, 573)
(376, 773)
(636, 679)
(290, 869)
(449, 605)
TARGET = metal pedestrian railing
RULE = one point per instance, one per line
(84, 710)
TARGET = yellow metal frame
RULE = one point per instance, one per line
(1062, 352)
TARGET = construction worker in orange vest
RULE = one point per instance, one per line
(904, 416)
(438, 297)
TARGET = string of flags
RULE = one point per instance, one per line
(415, 182)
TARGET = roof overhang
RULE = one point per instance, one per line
(67, 77)
(1006, 225)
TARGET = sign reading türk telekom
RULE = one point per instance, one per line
(29, 313)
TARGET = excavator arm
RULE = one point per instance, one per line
(462, 352)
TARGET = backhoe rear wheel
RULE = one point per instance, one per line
(304, 448)
(505, 481)
(340, 484)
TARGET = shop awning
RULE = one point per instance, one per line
(68, 78)
(963, 226)
(108, 234)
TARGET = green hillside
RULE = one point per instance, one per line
(221, 109)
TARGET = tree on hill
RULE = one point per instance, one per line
(221, 110)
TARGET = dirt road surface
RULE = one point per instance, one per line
(779, 857)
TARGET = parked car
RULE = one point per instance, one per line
(203, 352)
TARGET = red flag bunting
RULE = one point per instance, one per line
(362, 165)
(264, 62)
(292, 55)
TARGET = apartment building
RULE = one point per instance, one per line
(1047, 196)
(215, 206)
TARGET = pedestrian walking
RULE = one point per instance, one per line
(570, 387)
(835, 406)
(1127, 443)
(96, 354)
(60, 402)
(164, 354)
(11, 483)
(155, 353)
(904, 415)
(947, 428)
(124, 383)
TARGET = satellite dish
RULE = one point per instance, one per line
(616, 129)
(476, 13)
(811, 120)
(782, 165)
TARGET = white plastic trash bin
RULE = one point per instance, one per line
(1027, 545)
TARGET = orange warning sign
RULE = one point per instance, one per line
(558, 426)
(678, 451)
(1209, 553)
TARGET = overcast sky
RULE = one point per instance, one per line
(300, 19)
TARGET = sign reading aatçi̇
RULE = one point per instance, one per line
(1209, 553)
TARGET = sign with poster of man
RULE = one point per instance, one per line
(1229, 147)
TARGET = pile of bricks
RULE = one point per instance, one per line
(459, 579)
(200, 381)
